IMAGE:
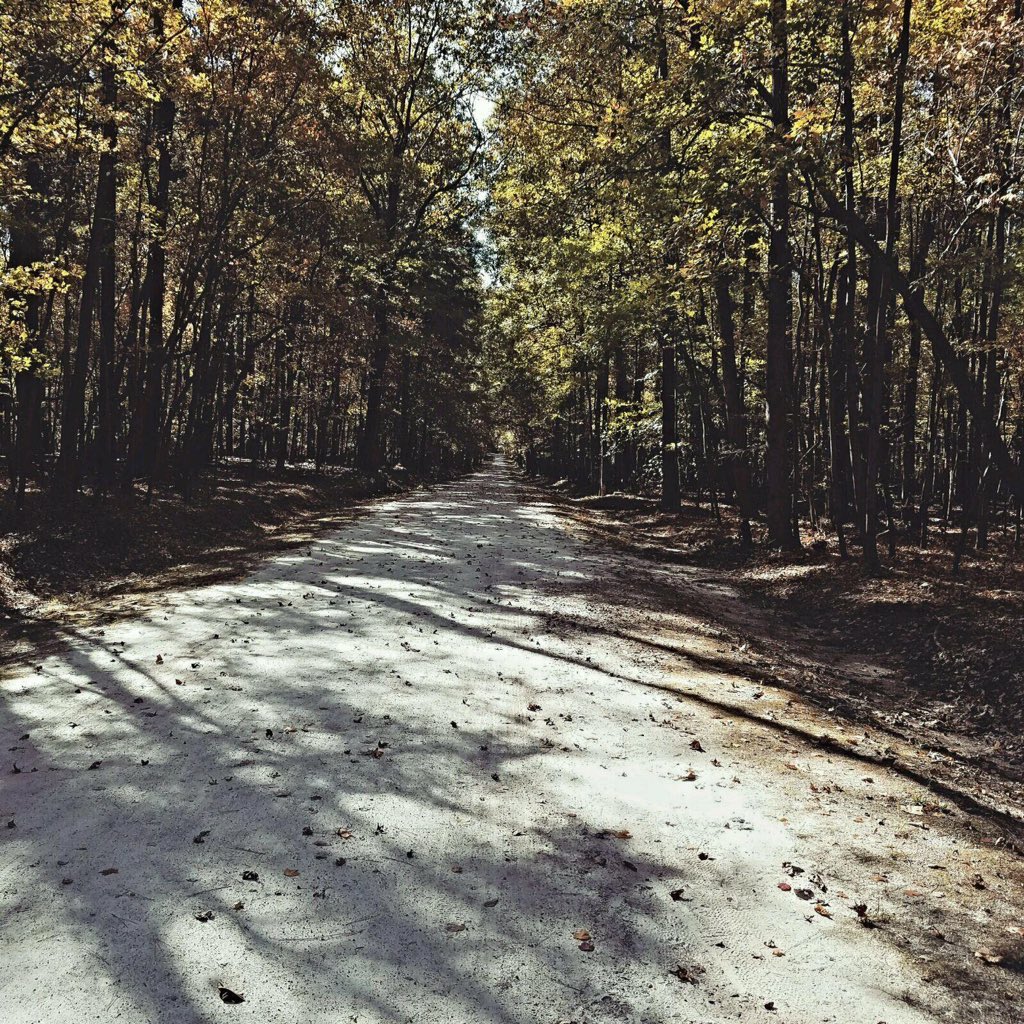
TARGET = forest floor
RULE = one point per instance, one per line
(463, 760)
(932, 656)
(90, 561)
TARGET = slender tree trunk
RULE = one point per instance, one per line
(910, 391)
(146, 457)
(669, 430)
(876, 336)
(601, 425)
(620, 460)
(669, 373)
(106, 214)
(847, 315)
(735, 415)
(779, 460)
(26, 249)
(68, 471)
(371, 450)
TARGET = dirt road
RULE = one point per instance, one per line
(452, 764)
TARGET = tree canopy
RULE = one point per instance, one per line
(764, 252)
(768, 247)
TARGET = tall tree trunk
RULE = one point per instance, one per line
(68, 470)
(601, 425)
(735, 415)
(926, 231)
(106, 214)
(144, 458)
(371, 449)
(876, 335)
(847, 313)
(669, 373)
(620, 470)
(779, 460)
(669, 430)
(26, 249)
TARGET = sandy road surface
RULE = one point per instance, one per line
(449, 741)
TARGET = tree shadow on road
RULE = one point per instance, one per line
(311, 719)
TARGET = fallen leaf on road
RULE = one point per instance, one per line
(204, 915)
(291, 873)
(861, 910)
(685, 974)
(820, 908)
(454, 926)
(990, 957)
(227, 996)
(785, 886)
(695, 745)
(109, 871)
(677, 894)
(581, 935)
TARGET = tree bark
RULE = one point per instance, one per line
(735, 415)
(942, 349)
(779, 465)
(106, 214)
